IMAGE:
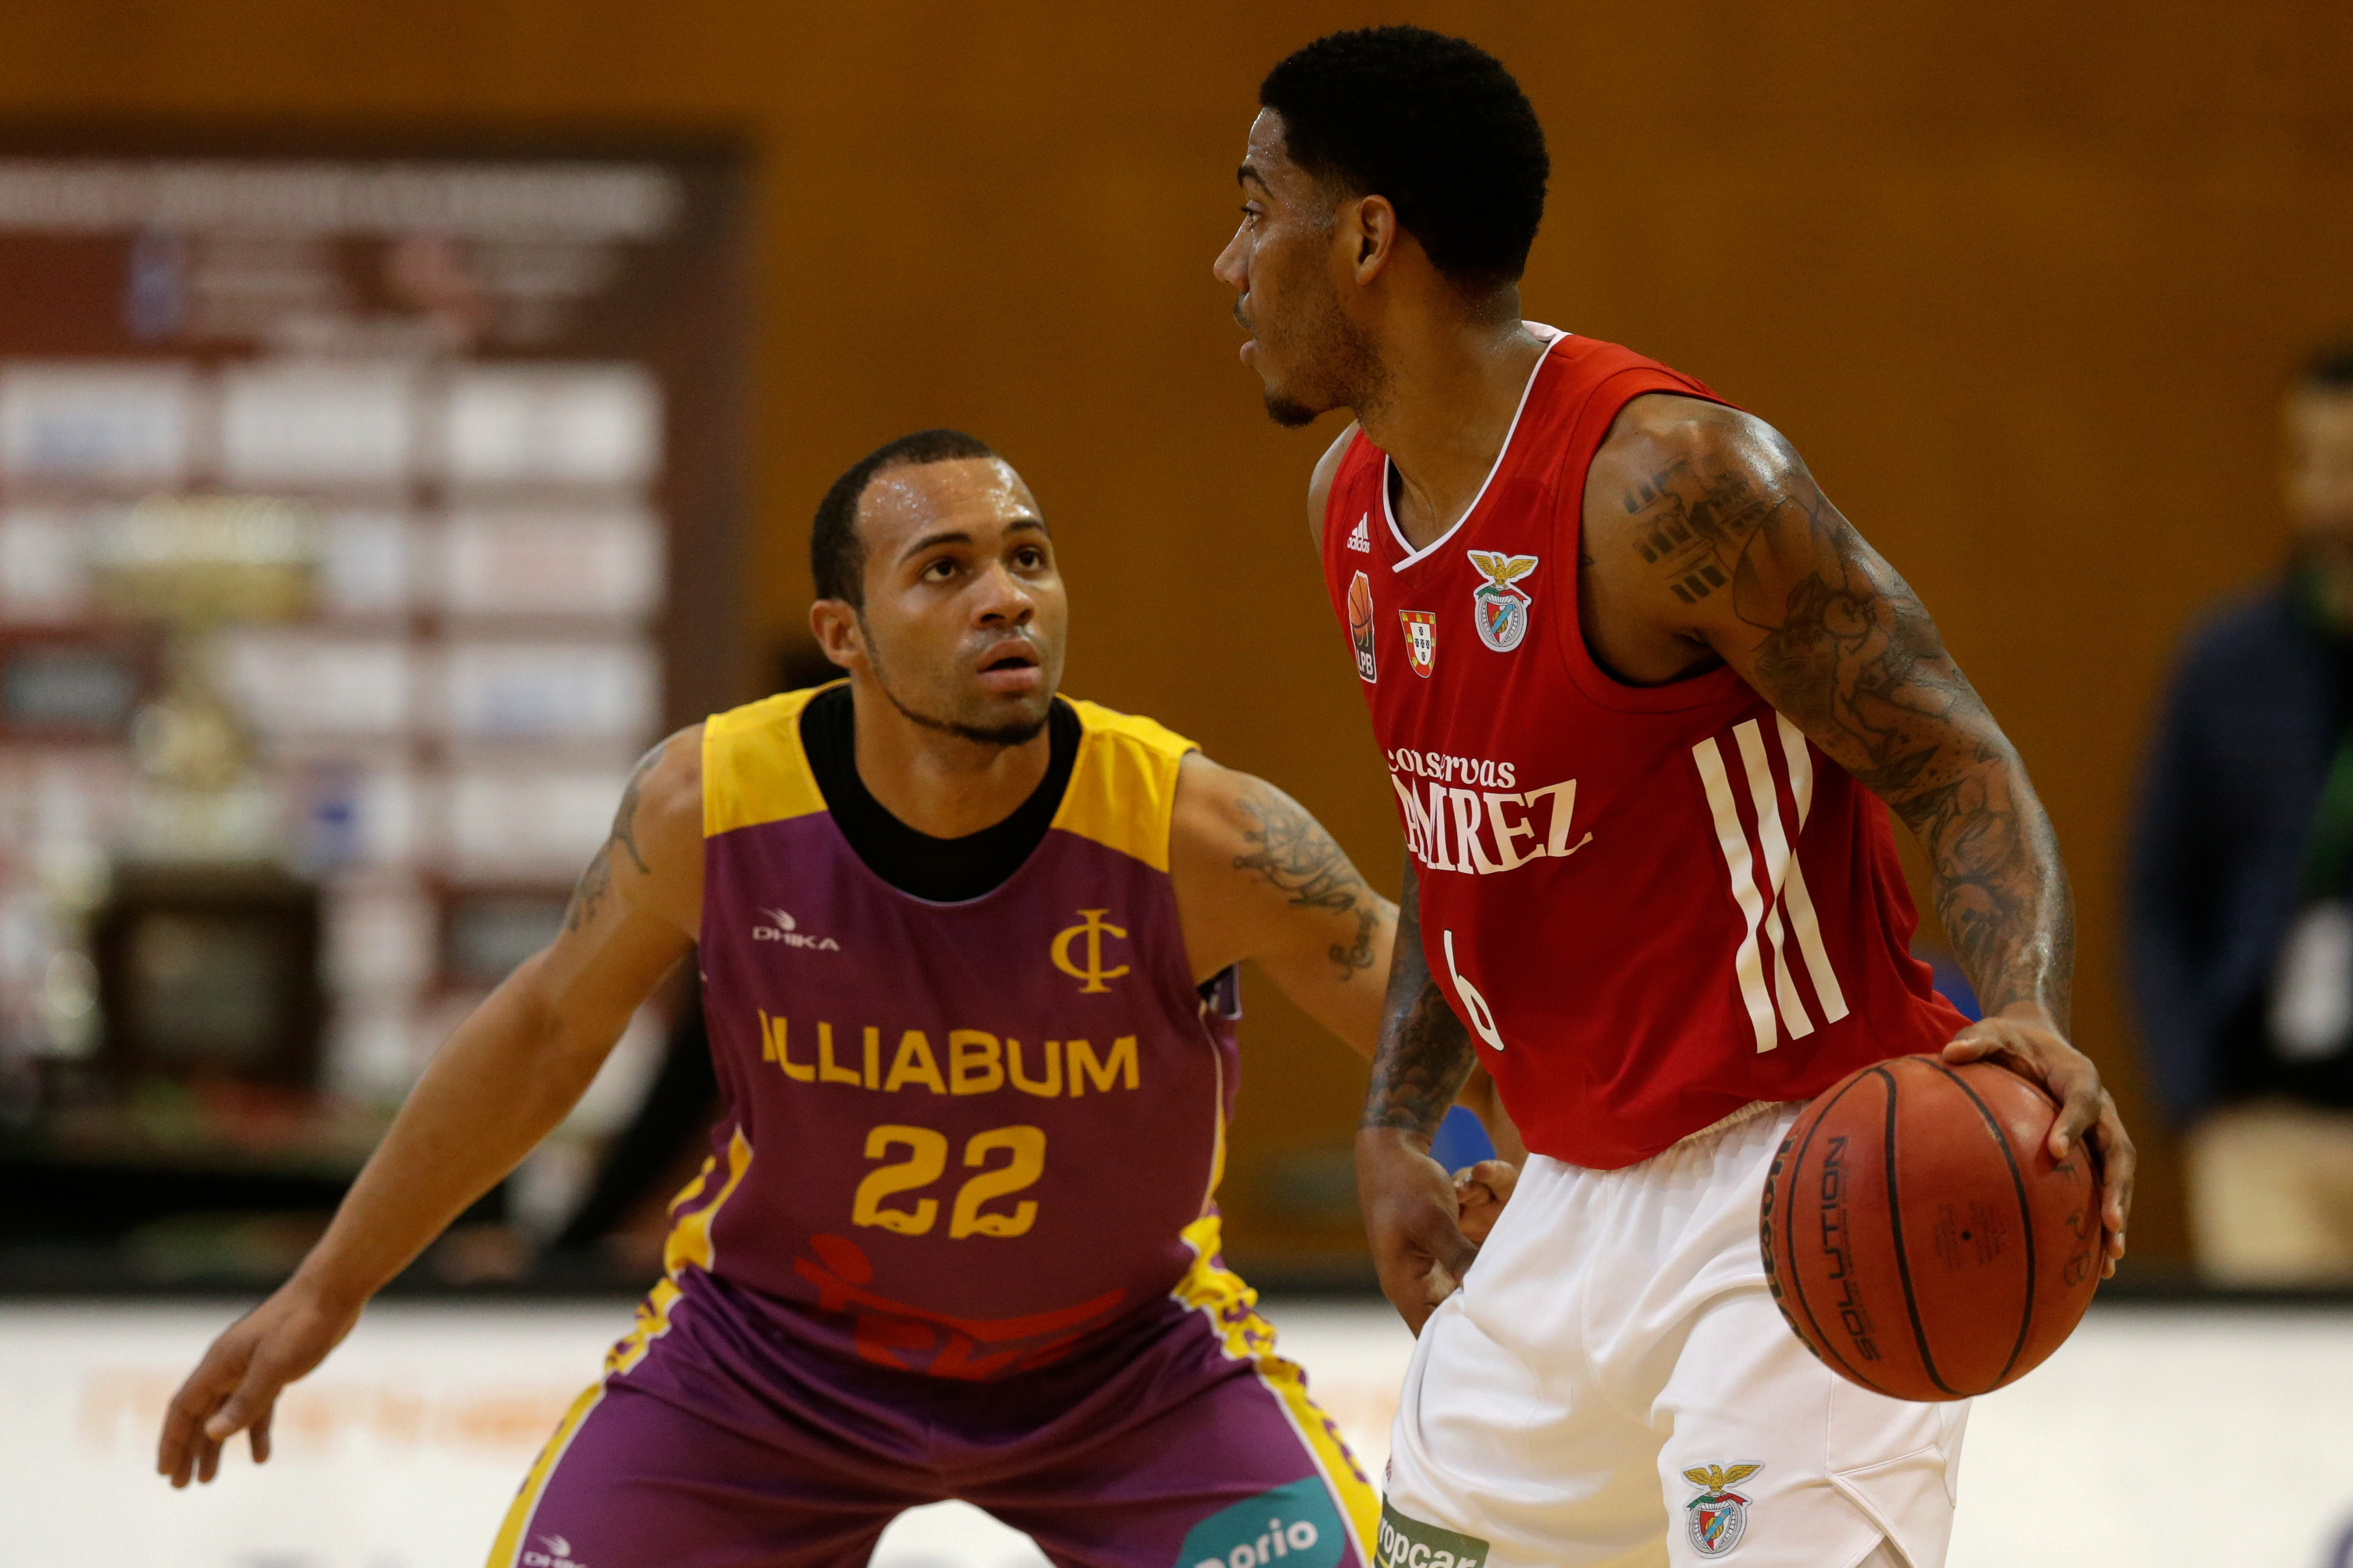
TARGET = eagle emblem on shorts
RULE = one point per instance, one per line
(1498, 606)
(1718, 1517)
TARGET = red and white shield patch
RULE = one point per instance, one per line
(1420, 639)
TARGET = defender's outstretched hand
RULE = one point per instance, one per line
(2024, 1039)
(234, 1388)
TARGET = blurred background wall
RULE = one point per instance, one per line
(2021, 280)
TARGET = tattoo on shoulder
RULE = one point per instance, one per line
(597, 881)
(1292, 852)
(1692, 528)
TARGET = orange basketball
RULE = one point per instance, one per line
(1919, 1237)
(1360, 606)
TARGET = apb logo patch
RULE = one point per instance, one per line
(1360, 626)
(1293, 1525)
(1718, 1517)
(1421, 640)
(1499, 608)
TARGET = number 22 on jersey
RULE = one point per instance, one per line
(927, 1161)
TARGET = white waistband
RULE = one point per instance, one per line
(1748, 1112)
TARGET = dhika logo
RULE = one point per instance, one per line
(558, 1554)
(782, 927)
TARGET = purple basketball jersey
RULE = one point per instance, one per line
(961, 1138)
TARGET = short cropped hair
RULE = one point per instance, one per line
(1435, 124)
(837, 555)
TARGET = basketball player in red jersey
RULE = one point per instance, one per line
(968, 956)
(1642, 692)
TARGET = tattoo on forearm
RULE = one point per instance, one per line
(1293, 852)
(597, 881)
(1425, 1054)
(1850, 654)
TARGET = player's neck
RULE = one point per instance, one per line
(1451, 386)
(939, 784)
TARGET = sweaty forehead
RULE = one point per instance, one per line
(968, 494)
(1267, 157)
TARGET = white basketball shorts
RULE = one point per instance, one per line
(1613, 1387)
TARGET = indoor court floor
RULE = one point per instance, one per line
(2157, 1437)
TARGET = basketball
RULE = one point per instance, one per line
(1920, 1239)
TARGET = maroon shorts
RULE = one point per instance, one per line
(1176, 1439)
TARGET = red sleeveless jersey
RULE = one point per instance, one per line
(1649, 905)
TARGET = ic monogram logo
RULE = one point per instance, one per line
(1094, 931)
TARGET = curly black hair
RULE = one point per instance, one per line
(836, 556)
(1435, 124)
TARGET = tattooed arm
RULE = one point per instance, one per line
(1706, 540)
(1414, 1211)
(502, 1081)
(1258, 877)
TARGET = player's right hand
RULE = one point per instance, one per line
(234, 1388)
(1414, 1220)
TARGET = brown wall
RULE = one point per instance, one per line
(2020, 279)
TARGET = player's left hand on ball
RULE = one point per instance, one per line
(1482, 1190)
(2024, 1039)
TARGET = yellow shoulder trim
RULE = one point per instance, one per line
(1123, 792)
(754, 769)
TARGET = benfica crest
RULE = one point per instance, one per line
(1501, 609)
(1718, 1517)
(1421, 640)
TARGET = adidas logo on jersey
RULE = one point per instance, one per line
(1362, 538)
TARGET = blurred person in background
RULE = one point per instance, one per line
(2242, 864)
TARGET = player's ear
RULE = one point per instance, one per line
(1368, 226)
(834, 624)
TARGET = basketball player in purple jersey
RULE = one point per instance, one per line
(968, 955)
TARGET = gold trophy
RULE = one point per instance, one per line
(194, 567)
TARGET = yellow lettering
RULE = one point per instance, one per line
(1046, 1087)
(973, 1064)
(927, 1157)
(772, 1048)
(1025, 1147)
(827, 1072)
(914, 1064)
(1105, 1074)
(873, 1056)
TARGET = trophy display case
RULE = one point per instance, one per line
(347, 492)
